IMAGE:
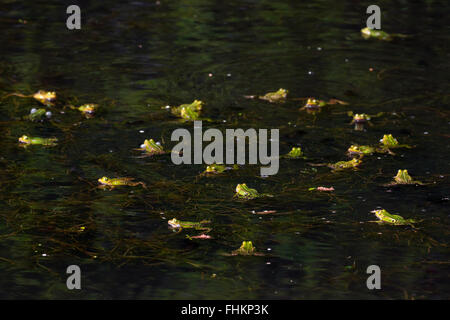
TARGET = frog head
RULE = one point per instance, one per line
(246, 247)
(104, 180)
(197, 105)
(361, 117)
(151, 146)
(174, 223)
(25, 139)
(45, 96)
(403, 177)
(215, 168)
(312, 103)
(88, 108)
(389, 141)
(296, 152)
(282, 93)
(355, 162)
(189, 114)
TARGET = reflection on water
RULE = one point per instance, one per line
(133, 59)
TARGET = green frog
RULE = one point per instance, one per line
(380, 35)
(179, 225)
(313, 104)
(38, 114)
(360, 150)
(189, 114)
(365, 150)
(278, 96)
(386, 217)
(246, 249)
(26, 141)
(345, 164)
(359, 119)
(244, 192)
(88, 110)
(152, 148)
(193, 109)
(403, 177)
(295, 153)
(217, 168)
(45, 97)
(389, 142)
(115, 182)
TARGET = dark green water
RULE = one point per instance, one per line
(134, 58)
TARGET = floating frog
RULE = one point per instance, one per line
(295, 153)
(345, 164)
(26, 140)
(179, 225)
(277, 96)
(193, 108)
(88, 109)
(246, 249)
(380, 35)
(216, 168)
(39, 114)
(386, 217)
(403, 177)
(45, 97)
(313, 104)
(114, 182)
(359, 119)
(360, 150)
(390, 142)
(189, 114)
(152, 148)
(244, 192)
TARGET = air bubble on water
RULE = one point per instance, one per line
(142, 146)
(48, 114)
(158, 143)
(33, 110)
(426, 132)
(141, 131)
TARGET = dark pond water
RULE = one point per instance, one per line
(133, 59)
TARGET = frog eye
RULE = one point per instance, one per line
(143, 146)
